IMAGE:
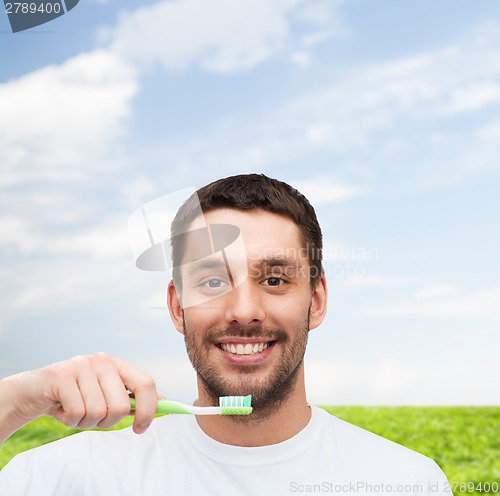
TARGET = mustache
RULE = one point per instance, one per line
(240, 331)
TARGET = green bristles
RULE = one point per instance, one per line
(236, 405)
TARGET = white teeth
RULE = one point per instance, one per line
(247, 349)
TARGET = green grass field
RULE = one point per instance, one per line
(464, 441)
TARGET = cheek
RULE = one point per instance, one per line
(199, 317)
(290, 310)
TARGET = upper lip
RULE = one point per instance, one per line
(241, 340)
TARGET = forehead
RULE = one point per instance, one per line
(262, 232)
(256, 243)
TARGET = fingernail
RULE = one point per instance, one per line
(141, 428)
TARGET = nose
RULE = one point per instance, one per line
(243, 305)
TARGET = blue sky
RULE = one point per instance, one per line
(385, 114)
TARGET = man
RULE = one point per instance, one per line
(245, 303)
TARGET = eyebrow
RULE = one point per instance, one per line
(211, 263)
(271, 263)
(206, 263)
(279, 262)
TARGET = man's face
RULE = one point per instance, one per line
(248, 332)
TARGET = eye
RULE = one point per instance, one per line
(273, 281)
(213, 284)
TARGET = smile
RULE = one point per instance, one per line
(244, 349)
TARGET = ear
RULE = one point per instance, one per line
(175, 307)
(319, 299)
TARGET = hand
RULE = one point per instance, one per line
(84, 392)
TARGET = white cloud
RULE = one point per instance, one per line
(64, 119)
(324, 190)
(107, 239)
(301, 59)
(47, 271)
(394, 382)
(379, 281)
(425, 85)
(481, 303)
(58, 284)
(59, 124)
(219, 36)
(434, 292)
(473, 97)
(489, 133)
(374, 120)
(320, 12)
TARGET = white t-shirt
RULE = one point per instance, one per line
(175, 457)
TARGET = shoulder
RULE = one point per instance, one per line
(88, 459)
(38, 471)
(374, 453)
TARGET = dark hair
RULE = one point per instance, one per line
(249, 192)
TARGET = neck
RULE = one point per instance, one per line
(290, 417)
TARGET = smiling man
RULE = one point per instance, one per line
(249, 335)
(248, 286)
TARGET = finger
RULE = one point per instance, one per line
(72, 407)
(96, 407)
(115, 395)
(159, 396)
(143, 388)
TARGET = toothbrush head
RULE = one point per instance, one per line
(235, 405)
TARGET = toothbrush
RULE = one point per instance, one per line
(228, 405)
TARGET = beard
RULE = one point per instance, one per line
(268, 393)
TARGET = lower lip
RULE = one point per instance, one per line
(247, 359)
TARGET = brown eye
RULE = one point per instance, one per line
(273, 281)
